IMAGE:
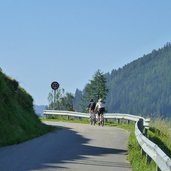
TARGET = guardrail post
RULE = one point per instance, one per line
(145, 132)
(142, 152)
(157, 168)
(146, 126)
(140, 125)
(148, 159)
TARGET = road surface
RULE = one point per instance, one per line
(75, 147)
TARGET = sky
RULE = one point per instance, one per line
(67, 41)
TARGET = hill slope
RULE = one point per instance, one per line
(18, 121)
(142, 86)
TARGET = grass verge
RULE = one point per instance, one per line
(160, 134)
(18, 121)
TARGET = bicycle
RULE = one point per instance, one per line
(92, 118)
(101, 120)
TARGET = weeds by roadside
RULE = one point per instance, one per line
(160, 134)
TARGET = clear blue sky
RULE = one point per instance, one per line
(69, 40)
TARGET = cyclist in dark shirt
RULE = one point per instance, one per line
(91, 108)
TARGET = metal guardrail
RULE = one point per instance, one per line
(65, 113)
(86, 115)
(163, 162)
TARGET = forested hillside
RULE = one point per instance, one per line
(18, 121)
(142, 86)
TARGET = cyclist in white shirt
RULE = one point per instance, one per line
(100, 108)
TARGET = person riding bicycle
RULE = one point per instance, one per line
(100, 108)
(91, 108)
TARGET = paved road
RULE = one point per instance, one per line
(76, 147)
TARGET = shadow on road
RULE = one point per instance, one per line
(54, 149)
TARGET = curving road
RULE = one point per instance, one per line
(75, 147)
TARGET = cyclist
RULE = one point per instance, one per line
(100, 108)
(91, 108)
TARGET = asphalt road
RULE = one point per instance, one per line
(75, 147)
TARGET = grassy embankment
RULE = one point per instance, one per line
(18, 121)
(159, 133)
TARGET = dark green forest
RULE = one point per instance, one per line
(142, 87)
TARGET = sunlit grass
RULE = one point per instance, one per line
(160, 134)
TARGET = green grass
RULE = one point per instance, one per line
(160, 134)
(19, 125)
(18, 121)
(137, 160)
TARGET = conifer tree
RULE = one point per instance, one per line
(95, 89)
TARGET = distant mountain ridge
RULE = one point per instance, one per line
(39, 109)
(143, 86)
